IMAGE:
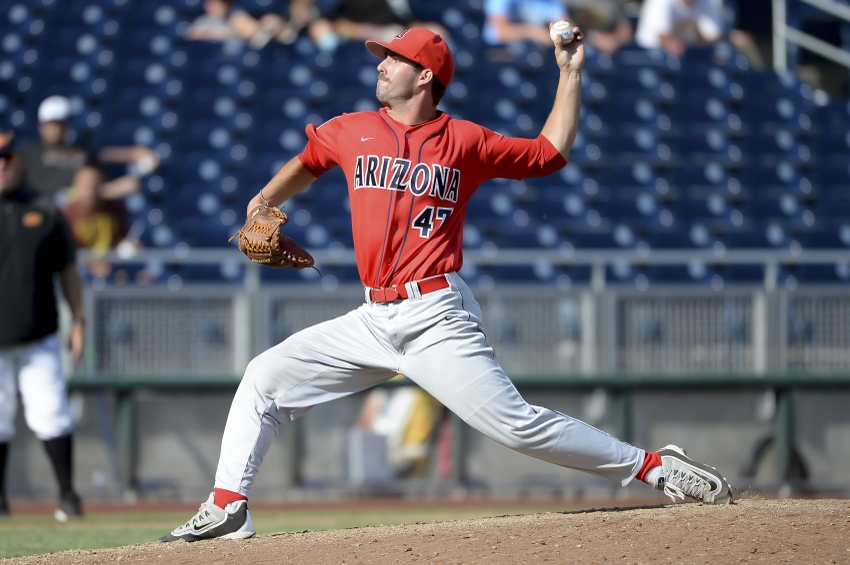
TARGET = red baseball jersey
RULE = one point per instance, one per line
(409, 185)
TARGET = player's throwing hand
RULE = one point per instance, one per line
(570, 55)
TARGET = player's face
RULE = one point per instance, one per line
(397, 79)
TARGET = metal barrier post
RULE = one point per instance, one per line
(459, 471)
(294, 438)
(784, 432)
(125, 437)
(621, 414)
(780, 54)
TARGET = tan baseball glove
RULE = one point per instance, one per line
(261, 240)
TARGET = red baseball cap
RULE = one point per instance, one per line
(422, 46)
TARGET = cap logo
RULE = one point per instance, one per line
(402, 34)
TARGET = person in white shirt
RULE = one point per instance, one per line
(675, 25)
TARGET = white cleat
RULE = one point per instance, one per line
(233, 522)
(685, 477)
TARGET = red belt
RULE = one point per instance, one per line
(392, 293)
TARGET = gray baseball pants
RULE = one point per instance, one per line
(438, 342)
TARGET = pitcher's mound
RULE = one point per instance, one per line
(770, 531)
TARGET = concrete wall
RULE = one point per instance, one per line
(179, 438)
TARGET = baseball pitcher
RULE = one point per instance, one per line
(411, 169)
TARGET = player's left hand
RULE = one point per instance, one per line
(570, 57)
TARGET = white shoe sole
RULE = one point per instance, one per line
(238, 535)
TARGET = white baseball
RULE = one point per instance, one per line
(562, 32)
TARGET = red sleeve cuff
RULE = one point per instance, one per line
(315, 170)
(553, 156)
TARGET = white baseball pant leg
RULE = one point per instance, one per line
(437, 341)
(36, 370)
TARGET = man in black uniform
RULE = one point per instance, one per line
(35, 245)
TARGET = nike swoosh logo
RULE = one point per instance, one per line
(366, 138)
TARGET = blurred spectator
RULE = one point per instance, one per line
(223, 21)
(675, 25)
(36, 247)
(516, 21)
(512, 21)
(96, 223)
(604, 23)
(407, 418)
(358, 20)
(50, 163)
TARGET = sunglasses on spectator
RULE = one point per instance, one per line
(9, 156)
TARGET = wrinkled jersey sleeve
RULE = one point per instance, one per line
(322, 150)
(517, 158)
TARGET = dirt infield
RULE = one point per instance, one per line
(769, 531)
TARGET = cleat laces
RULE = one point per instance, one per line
(681, 483)
(199, 520)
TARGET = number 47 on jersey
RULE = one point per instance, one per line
(424, 222)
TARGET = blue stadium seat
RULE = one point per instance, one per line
(707, 109)
(644, 79)
(835, 236)
(632, 56)
(834, 140)
(781, 172)
(833, 172)
(711, 174)
(769, 234)
(719, 54)
(742, 273)
(598, 240)
(157, 15)
(834, 273)
(778, 112)
(696, 272)
(835, 112)
(641, 110)
(709, 78)
(506, 234)
(834, 209)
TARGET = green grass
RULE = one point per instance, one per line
(38, 534)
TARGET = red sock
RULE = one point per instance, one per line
(651, 461)
(224, 497)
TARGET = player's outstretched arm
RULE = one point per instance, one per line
(562, 125)
(291, 179)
